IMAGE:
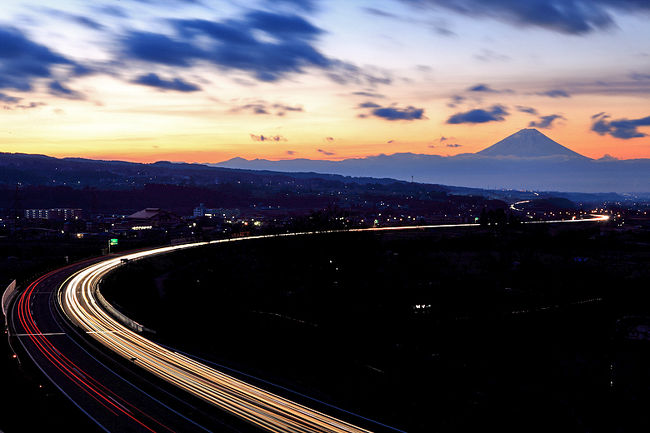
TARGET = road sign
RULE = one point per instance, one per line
(112, 242)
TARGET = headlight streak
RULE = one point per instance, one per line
(252, 404)
(112, 402)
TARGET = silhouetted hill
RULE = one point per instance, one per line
(27, 169)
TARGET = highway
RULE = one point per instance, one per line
(57, 317)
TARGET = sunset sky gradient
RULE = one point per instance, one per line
(205, 81)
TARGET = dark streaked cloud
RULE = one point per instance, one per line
(619, 128)
(437, 25)
(74, 18)
(454, 145)
(273, 138)
(236, 44)
(564, 16)
(176, 84)
(546, 122)
(326, 152)
(395, 113)
(23, 61)
(9, 99)
(112, 10)
(161, 49)
(58, 89)
(369, 94)
(305, 5)
(529, 110)
(496, 113)
(283, 26)
(555, 93)
(329, 139)
(291, 152)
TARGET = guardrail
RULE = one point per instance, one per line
(119, 316)
(8, 296)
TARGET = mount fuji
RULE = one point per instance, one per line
(529, 143)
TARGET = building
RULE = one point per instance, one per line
(151, 217)
(202, 211)
(53, 214)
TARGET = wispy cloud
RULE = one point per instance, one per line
(566, 16)
(546, 122)
(555, 93)
(275, 138)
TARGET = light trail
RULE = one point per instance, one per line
(261, 408)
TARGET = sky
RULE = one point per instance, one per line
(205, 81)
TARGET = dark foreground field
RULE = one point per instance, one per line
(425, 331)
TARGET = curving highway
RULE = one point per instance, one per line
(118, 398)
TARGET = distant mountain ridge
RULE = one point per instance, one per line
(526, 160)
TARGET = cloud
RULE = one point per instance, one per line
(454, 145)
(329, 139)
(368, 104)
(619, 128)
(455, 101)
(58, 89)
(491, 56)
(255, 108)
(393, 113)
(439, 26)
(325, 152)
(283, 26)
(263, 107)
(390, 142)
(114, 11)
(529, 110)
(496, 113)
(9, 99)
(176, 84)
(481, 88)
(78, 19)
(23, 106)
(235, 44)
(369, 94)
(275, 138)
(161, 49)
(23, 61)
(555, 93)
(546, 122)
(291, 152)
(574, 17)
(639, 77)
(282, 109)
(306, 5)
(484, 88)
